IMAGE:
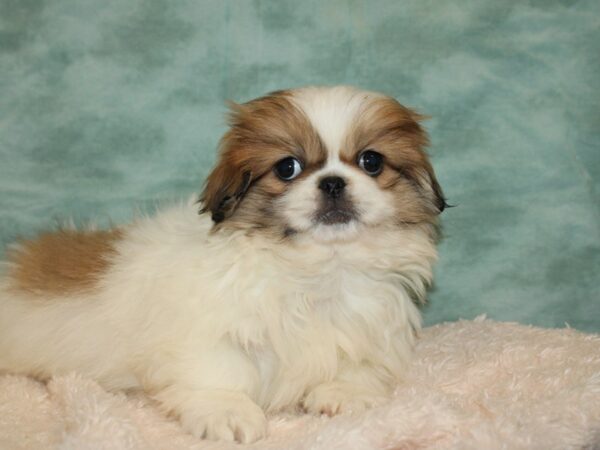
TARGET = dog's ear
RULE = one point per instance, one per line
(439, 198)
(424, 179)
(420, 169)
(225, 187)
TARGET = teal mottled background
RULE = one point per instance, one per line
(107, 106)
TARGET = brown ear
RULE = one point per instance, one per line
(424, 175)
(427, 183)
(438, 195)
(225, 187)
(420, 169)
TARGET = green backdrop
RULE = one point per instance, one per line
(108, 106)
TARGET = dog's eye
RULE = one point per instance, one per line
(371, 162)
(288, 168)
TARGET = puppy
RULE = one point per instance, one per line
(295, 286)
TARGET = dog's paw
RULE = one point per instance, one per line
(340, 397)
(228, 417)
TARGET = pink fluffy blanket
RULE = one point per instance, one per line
(474, 385)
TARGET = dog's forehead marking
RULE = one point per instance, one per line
(332, 111)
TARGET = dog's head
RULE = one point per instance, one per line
(329, 161)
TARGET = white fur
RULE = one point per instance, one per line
(219, 325)
(331, 110)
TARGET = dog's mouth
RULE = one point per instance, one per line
(336, 213)
(335, 216)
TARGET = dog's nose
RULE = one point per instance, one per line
(332, 186)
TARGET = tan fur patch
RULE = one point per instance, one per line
(62, 262)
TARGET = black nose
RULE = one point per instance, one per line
(332, 186)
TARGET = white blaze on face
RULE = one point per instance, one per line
(333, 112)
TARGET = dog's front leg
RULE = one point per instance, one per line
(355, 388)
(211, 393)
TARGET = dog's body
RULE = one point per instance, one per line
(253, 310)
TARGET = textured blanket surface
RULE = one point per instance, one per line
(474, 385)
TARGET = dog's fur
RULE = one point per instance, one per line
(258, 303)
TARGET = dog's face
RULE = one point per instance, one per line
(330, 162)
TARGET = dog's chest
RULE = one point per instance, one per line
(312, 322)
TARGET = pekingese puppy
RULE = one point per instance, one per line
(295, 285)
